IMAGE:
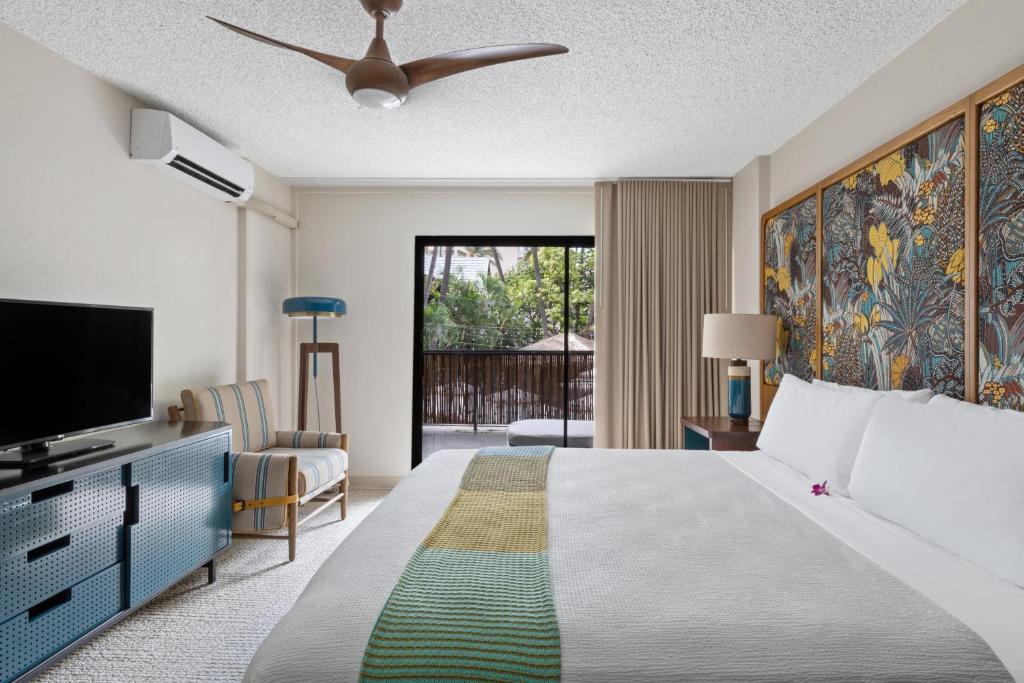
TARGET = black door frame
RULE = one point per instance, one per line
(422, 241)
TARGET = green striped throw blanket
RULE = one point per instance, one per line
(474, 603)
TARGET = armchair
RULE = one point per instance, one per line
(274, 472)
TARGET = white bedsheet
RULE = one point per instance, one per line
(991, 606)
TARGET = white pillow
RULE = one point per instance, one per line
(943, 401)
(951, 473)
(918, 396)
(816, 431)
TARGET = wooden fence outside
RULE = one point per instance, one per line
(500, 387)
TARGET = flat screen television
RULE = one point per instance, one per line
(70, 369)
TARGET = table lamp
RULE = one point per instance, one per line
(316, 307)
(739, 337)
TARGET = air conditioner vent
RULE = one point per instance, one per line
(209, 177)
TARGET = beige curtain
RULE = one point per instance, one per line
(663, 261)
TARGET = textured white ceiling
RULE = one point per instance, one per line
(671, 88)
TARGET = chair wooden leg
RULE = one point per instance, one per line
(344, 497)
(293, 508)
(293, 513)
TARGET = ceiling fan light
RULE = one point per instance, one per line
(376, 98)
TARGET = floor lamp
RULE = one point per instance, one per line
(316, 307)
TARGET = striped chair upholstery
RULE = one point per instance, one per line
(257, 476)
(261, 452)
(319, 468)
(308, 439)
(246, 407)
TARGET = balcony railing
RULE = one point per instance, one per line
(500, 387)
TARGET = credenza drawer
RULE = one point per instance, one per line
(61, 618)
(51, 512)
(50, 567)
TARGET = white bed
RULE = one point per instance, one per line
(991, 606)
(614, 527)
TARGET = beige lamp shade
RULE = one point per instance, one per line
(739, 335)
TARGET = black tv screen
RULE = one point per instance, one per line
(69, 369)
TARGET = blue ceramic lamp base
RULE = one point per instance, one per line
(739, 391)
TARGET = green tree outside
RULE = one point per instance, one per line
(494, 313)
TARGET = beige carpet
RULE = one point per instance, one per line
(196, 632)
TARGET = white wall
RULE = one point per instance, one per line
(976, 44)
(749, 201)
(265, 334)
(80, 221)
(266, 276)
(359, 245)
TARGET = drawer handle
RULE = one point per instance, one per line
(53, 491)
(227, 467)
(49, 604)
(49, 548)
(131, 513)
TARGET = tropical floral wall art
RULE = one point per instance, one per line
(790, 289)
(893, 269)
(1001, 250)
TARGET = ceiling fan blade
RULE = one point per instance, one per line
(339, 63)
(441, 66)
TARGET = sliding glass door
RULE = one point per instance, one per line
(504, 336)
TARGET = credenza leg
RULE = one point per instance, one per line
(211, 571)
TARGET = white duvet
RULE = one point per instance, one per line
(672, 566)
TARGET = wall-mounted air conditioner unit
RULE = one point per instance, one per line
(175, 148)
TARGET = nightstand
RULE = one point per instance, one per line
(720, 434)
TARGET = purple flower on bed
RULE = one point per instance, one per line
(820, 489)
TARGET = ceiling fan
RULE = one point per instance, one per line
(376, 81)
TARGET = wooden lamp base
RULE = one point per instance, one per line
(306, 349)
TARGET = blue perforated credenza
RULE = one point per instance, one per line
(85, 542)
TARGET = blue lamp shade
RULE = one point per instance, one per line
(314, 307)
